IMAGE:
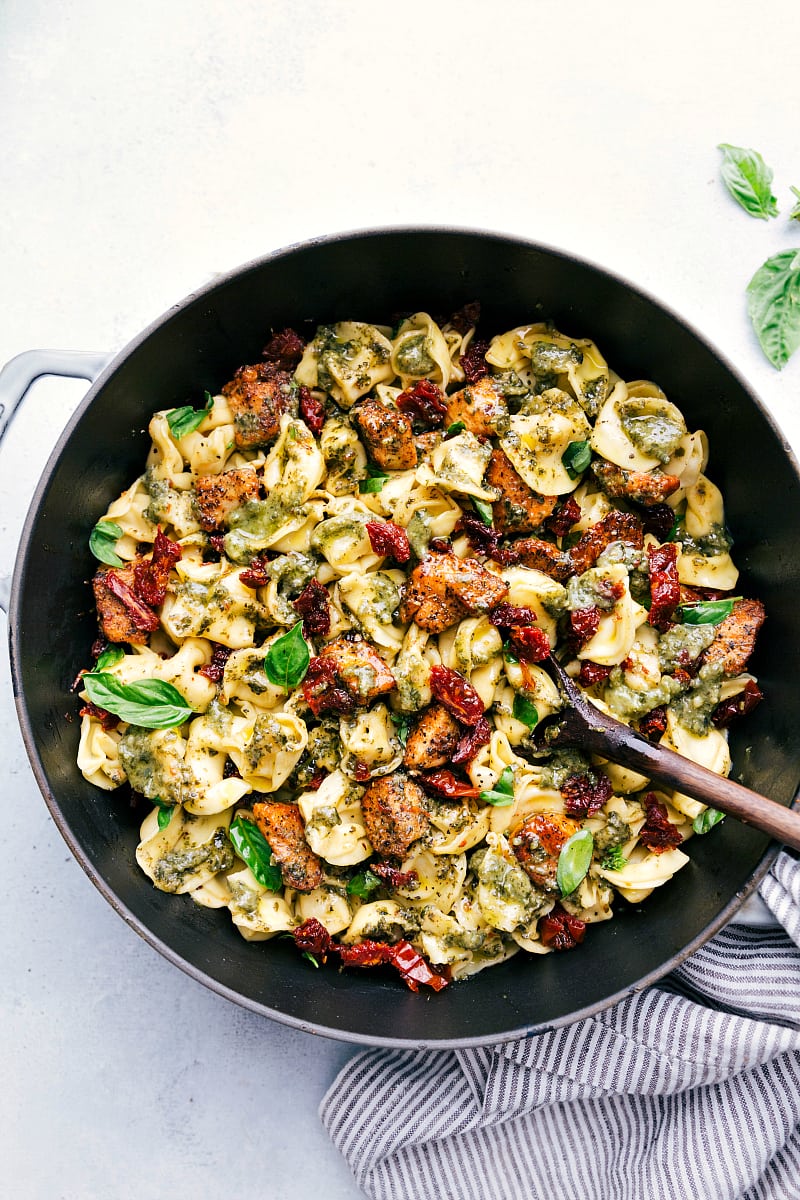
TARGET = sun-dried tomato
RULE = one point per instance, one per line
(506, 556)
(364, 954)
(312, 410)
(393, 877)
(610, 590)
(216, 668)
(440, 545)
(560, 930)
(473, 361)
(737, 706)
(563, 517)
(530, 643)
(466, 318)
(506, 615)
(387, 538)
(416, 970)
(285, 348)
(457, 695)
(445, 783)
(313, 606)
(424, 403)
(106, 719)
(658, 520)
(217, 542)
(592, 672)
(313, 938)
(361, 772)
(150, 578)
(230, 770)
(584, 795)
(658, 833)
(323, 690)
(584, 623)
(653, 725)
(471, 742)
(99, 646)
(665, 587)
(255, 575)
(316, 781)
(482, 538)
(141, 616)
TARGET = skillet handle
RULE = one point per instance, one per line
(16, 378)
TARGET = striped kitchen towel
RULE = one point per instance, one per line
(688, 1089)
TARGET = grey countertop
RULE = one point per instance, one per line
(147, 147)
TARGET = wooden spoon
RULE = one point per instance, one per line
(583, 725)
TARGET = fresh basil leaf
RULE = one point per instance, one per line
(573, 861)
(456, 427)
(307, 954)
(707, 820)
(509, 654)
(794, 215)
(149, 703)
(102, 541)
(483, 510)
(614, 859)
(525, 710)
(363, 884)
(773, 303)
(748, 179)
(576, 458)
(374, 481)
(109, 658)
(185, 420)
(502, 794)
(706, 612)
(402, 724)
(164, 817)
(287, 659)
(250, 844)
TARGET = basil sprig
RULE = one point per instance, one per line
(149, 703)
(706, 612)
(773, 303)
(165, 812)
(525, 710)
(484, 511)
(250, 844)
(576, 458)
(456, 427)
(614, 859)
(502, 794)
(287, 659)
(402, 725)
(573, 861)
(102, 542)
(185, 420)
(109, 658)
(363, 884)
(749, 180)
(707, 820)
(374, 481)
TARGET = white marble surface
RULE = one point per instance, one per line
(146, 147)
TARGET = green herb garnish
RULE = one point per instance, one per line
(748, 179)
(109, 658)
(706, 612)
(483, 510)
(525, 710)
(102, 542)
(573, 861)
(363, 884)
(185, 420)
(456, 427)
(287, 659)
(402, 724)
(614, 859)
(250, 844)
(149, 703)
(502, 794)
(164, 817)
(307, 954)
(707, 820)
(374, 481)
(576, 458)
(773, 302)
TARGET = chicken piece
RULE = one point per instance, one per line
(444, 588)
(519, 509)
(538, 842)
(643, 487)
(216, 496)
(427, 442)
(545, 557)
(360, 668)
(480, 406)
(258, 397)
(389, 435)
(613, 527)
(117, 621)
(736, 637)
(432, 740)
(282, 826)
(395, 814)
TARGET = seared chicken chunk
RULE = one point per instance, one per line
(258, 397)
(395, 814)
(360, 668)
(116, 619)
(613, 527)
(480, 406)
(389, 435)
(643, 487)
(216, 496)
(736, 637)
(519, 509)
(538, 842)
(444, 588)
(282, 826)
(545, 557)
(432, 740)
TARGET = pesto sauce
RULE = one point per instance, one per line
(419, 532)
(253, 526)
(716, 541)
(614, 833)
(562, 764)
(412, 357)
(216, 855)
(682, 644)
(624, 701)
(654, 434)
(695, 707)
(588, 590)
(153, 763)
